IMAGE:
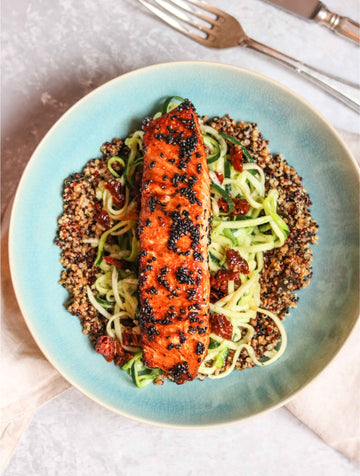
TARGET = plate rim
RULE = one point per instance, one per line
(63, 117)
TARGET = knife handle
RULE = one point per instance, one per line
(341, 25)
(343, 90)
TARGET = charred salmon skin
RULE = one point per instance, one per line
(173, 229)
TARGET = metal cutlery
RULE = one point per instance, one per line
(318, 12)
(212, 27)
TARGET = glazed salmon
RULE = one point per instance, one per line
(173, 229)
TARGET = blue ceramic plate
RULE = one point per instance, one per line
(327, 309)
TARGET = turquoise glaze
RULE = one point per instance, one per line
(327, 309)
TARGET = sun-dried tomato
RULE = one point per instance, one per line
(237, 262)
(218, 283)
(223, 205)
(105, 345)
(241, 206)
(111, 349)
(226, 275)
(132, 215)
(121, 359)
(236, 157)
(102, 216)
(130, 338)
(114, 261)
(221, 326)
(220, 177)
(116, 190)
(121, 356)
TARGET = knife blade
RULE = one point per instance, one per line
(318, 12)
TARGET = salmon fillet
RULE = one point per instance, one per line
(174, 229)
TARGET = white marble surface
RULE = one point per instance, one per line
(73, 436)
(53, 53)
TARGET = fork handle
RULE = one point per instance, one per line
(345, 91)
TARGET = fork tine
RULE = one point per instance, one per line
(195, 11)
(167, 18)
(209, 8)
(168, 6)
(170, 20)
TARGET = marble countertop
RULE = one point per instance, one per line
(53, 53)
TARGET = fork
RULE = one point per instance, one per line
(224, 31)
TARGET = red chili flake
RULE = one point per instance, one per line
(114, 261)
(221, 326)
(220, 176)
(241, 206)
(116, 190)
(236, 262)
(105, 345)
(236, 157)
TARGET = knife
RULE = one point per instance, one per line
(317, 11)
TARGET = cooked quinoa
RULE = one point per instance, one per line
(286, 269)
(78, 222)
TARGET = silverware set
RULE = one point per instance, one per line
(214, 28)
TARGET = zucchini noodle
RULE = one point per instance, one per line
(115, 291)
(260, 230)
